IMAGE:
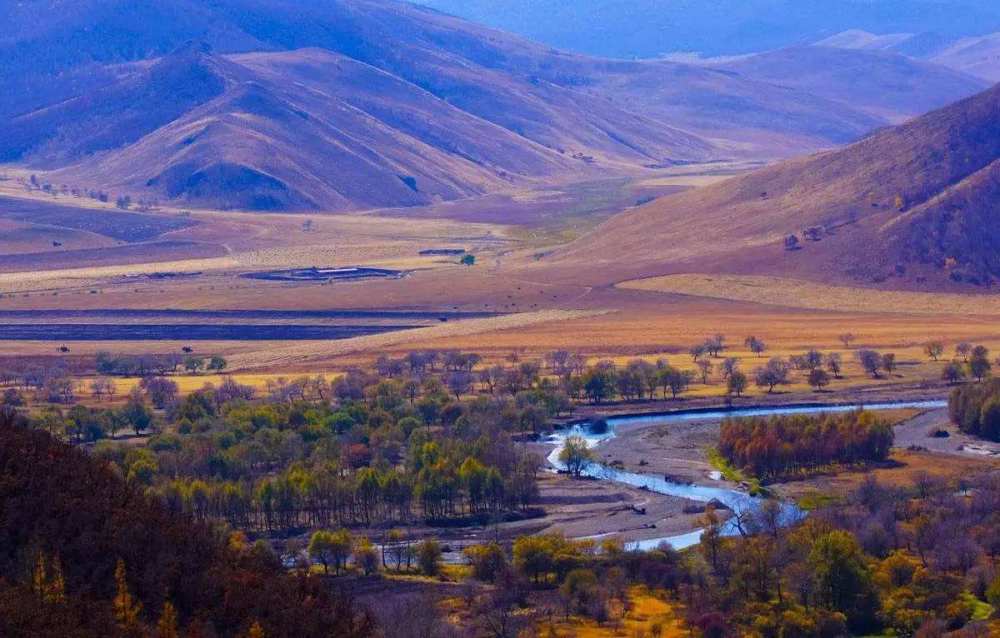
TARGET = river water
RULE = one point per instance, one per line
(735, 500)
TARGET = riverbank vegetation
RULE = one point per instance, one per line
(784, 445)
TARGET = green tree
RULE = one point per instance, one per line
(576, 455)
(737, 383)
(843, 580)
(429, 556)
(329, 547)
(194, 364)
(366, 557)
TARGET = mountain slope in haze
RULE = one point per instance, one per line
(650, 28)
(978, 56)
(917, 204)
(881, 83)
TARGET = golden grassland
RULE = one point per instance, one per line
(649, 614)
(304, 352)
(798, 293)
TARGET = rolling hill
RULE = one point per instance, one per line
(356, 104)
(911, 206)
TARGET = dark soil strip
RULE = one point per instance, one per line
(170, 250)
(145, 313)
(184, 332)
(120, 225)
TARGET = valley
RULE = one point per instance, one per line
(478, 337)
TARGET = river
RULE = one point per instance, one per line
(733, 499)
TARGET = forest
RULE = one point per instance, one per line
(975, 409)
(777, 446)
(85, 553)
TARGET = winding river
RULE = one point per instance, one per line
(733, 499)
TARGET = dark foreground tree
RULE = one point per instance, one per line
(58, 502)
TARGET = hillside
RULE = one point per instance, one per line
(62, 508)
(914, 205)
(882, 83)
(356, 104)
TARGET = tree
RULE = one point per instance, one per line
(161, 391)
(429, 556)
(194, 364)
(871, 361)
(705, 369)
(843, 580)
(576, 455)
(487, 561)
(217, 363)
(847, 339)
(737, 383)
(818, 379)
(469, 260)
(755, 345)
(676, 380)
(979, 363)
(329, 547)
(166, 626)
(791, 243)
(834, 364)
(963, 349)
(953, 372)
(366, 557)
(889, 363)
(773, 374)
(729, 366)
(135, 413)
(459, 382)
(934, 350)
(126, 608)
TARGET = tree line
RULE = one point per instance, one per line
(776, 446)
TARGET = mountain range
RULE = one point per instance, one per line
(356, 104)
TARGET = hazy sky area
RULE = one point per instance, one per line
(647, 28)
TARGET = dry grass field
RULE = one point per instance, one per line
(799, 293)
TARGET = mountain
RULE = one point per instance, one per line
(879, 82)
(651, 28)
(913, 205)
(355, 104)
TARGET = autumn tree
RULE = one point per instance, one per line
(737, 383)
(773, 374)
(576, 455)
